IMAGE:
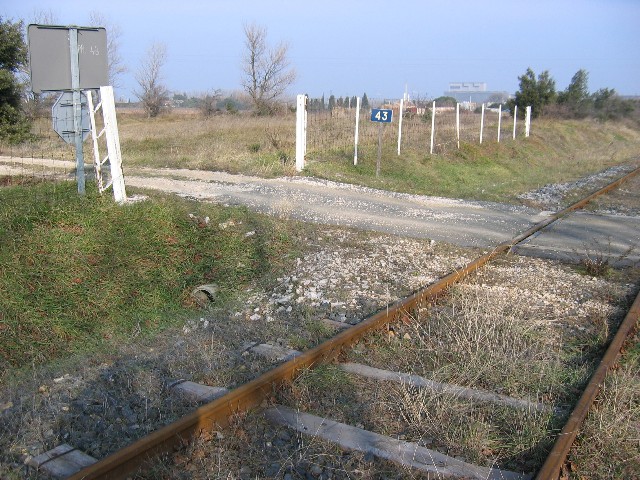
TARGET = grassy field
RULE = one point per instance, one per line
(81, 274)
(556, 151)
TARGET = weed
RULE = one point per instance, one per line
(598, 261)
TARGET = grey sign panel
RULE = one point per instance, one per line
(62, 114)
(50, 61)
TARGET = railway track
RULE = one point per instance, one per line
(221, 412)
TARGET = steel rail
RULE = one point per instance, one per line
(217, 413)
(551, 468)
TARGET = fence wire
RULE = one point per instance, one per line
(333, 132)
(44, 157)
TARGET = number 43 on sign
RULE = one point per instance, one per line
(381, 115)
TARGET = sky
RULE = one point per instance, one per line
(381, 48)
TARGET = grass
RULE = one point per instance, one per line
(502, 338)
(556, 151)
(77, 272)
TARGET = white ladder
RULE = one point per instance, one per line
(114, 177)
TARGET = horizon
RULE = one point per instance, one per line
(347, 49)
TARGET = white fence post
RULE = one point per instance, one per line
(433, 124)
(515, 118)
(301, 131)
(481, 123)
(355, 154)
(499, 121)
(400, 125)
(458, 124)
(527, 122)
(113, 143)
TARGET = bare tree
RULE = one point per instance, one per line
(115, 65)
(44, 17)
(266, 70)
(208, 102)
(153, 94)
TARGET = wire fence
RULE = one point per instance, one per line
(330, 135)
(45, 157)
(331, 132)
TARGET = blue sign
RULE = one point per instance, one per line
(381, 115)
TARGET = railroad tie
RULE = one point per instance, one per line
(445, 388)
(197, 392)
(62, 461)
(398, 451)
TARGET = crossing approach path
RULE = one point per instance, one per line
(464, 223)
(615, 238)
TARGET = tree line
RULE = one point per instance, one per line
(320, 104)
(574, 102)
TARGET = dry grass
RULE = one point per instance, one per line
(608, 446)
(235, 143)
(556, 151)
(509, 338)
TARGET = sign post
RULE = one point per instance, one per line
(77, 107)
(381, 116)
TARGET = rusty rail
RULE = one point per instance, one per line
(217, 413)
(551, 468)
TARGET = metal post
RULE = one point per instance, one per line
(481, 123)
(379, 149)
(433, 125)
(515, 119)
(400, 125)
(499, 121)
(300, 132)
(355, 154)
(77, 107)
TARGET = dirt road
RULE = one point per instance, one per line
(464, 223)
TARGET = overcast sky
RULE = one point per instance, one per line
(350, 47)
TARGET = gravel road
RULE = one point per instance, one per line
(464, 223)
(610, 232)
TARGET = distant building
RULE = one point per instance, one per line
(475, 93)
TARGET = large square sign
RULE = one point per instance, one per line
(50, 57)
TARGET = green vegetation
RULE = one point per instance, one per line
(77, 272)
(14, 126)
(534, 93)
(574, 102)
